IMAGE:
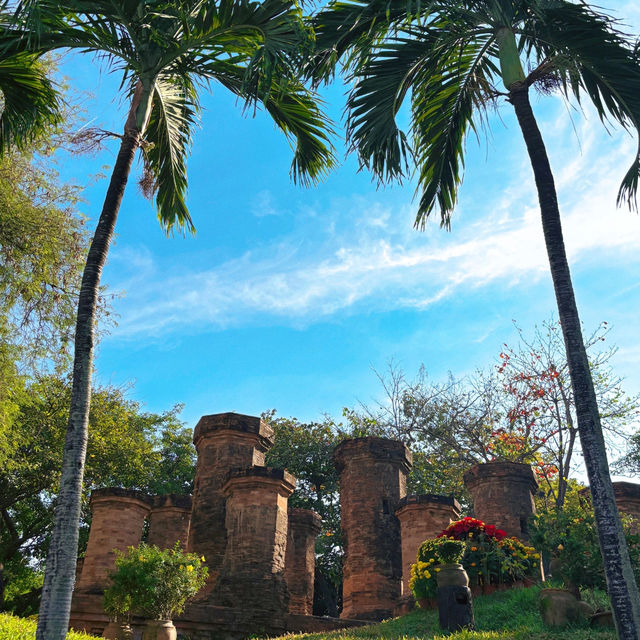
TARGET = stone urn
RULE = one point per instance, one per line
(159, 630)
(452, 575)
(118, 631)
(455, 606)
(559, 608)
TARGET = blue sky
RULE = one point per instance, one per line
(288, 297)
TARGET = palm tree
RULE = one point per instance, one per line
(165, 52)
(451, 58)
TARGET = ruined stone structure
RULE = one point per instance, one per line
(224, 442)
(373, 480)
(300, 563)
(422, 517)
(252, 572)
(169, 522)
(118, 517)
(628, 498)
(503, 495)
(261, 554)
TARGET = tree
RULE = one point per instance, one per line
(539, 406)
(165, 51)
(451, 58)
(127, 447)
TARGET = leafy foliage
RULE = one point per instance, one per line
(153, 582)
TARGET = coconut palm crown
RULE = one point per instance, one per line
(451, 59)
(165, 52)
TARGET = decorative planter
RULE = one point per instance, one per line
(559, 608)
(452, 575)
(159, 630)
(118, 631)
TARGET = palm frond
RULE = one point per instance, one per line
(167, 142)
(29, 103)
(449, 100)
(591, 57)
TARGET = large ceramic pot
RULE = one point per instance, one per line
(452, 575)
(159, 630)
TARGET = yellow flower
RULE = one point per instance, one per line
(437, 569)
(202, 558)
(470, 534)
(181, 567)
(560, 547)
(189, 567)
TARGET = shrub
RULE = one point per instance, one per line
(570, 539)
(154, 582)
(450, 551)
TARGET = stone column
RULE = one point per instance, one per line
(628, 500)
(223, 441)
(373, 479)
(170, 517)
(252, 574)
(300, 561)
(503, 495)
(117, 521)
(422, 517)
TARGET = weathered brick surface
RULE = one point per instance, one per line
(169, 522)
(252, 575)
(628, 499)
(373, 479)
(117, 520)
(422, 517)
(300, 562)
(503, 495)
(223, 441)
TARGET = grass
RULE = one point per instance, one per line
(12, 628)
(507, 615)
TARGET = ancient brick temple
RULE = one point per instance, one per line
(261, 566)
(503, 495)
(261, 553)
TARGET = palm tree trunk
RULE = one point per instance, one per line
(621, 584)
(55, 606)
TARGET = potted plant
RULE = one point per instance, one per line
(117, 604)
(158, 583)
(452, 573)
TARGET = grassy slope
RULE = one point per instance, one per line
(12, 628)
(509, 615)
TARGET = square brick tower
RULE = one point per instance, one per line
(373, 479)
(224, 442)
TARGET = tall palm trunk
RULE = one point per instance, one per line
(60, 571)
(621, 584)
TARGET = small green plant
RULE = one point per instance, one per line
(451, 551)
(153, 582)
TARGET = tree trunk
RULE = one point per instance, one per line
(621, 584)
(59, 578)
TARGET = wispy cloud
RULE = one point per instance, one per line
(363, 262)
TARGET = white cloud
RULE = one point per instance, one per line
(365, 256)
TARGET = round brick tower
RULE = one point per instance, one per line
(223, 441)
(117, 521)
(422, 517)
(503, 495)
(373, 479)
(169, 523)
(300, 561)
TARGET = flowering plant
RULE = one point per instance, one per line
(490, 557)
(154, 582)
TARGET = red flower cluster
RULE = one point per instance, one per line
(472, 527)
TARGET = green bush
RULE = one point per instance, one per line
(153, 582)
(450, 551)
(14, 628)
(569, 538)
